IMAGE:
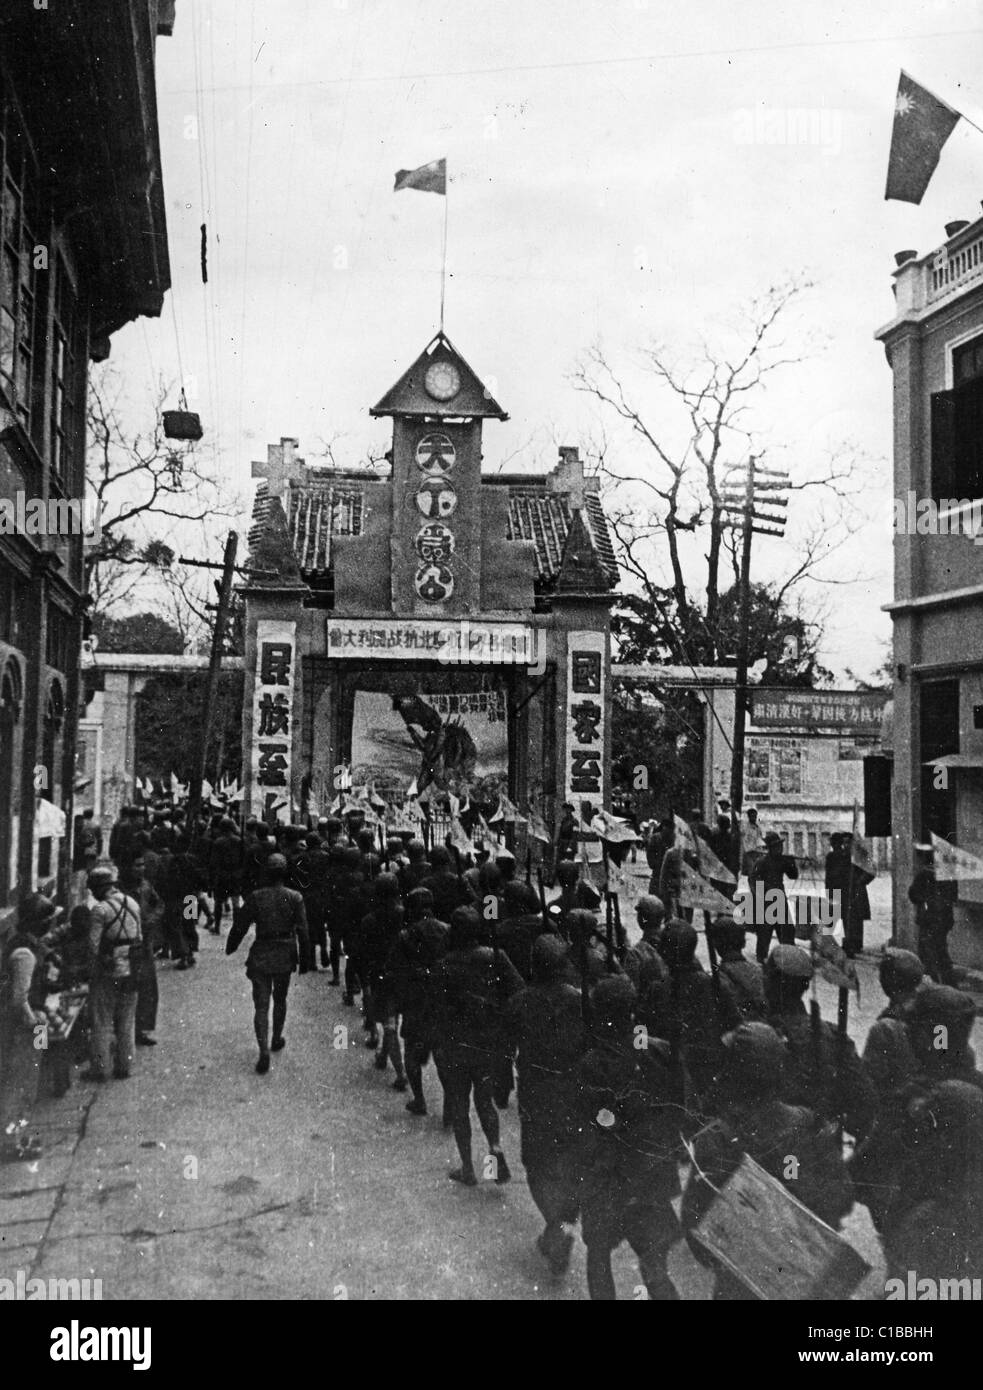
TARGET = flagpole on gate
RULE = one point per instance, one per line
(443, 257)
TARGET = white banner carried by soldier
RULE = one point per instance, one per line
(695, 891)
(953, 865)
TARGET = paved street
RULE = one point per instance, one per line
(199, 1179)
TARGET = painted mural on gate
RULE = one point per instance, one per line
(448, 742)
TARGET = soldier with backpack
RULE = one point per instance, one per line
(116, 948)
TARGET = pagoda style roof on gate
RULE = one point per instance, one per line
(332, 502)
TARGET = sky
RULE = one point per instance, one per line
(621, 171)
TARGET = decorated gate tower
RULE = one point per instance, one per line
(432, 636)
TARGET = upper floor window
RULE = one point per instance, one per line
(957, 428)
(21, 315)
(967, 361)
(58, 646)
(67, 378)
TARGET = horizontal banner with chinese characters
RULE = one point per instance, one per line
(858, 711)
(451, 643)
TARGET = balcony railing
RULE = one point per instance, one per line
(950, 270)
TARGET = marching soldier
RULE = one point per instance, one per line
(756, 1121)
(544, 1024)
(822, 1069)
(630, 1117)
(280, 946)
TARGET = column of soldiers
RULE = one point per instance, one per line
(640, 1076)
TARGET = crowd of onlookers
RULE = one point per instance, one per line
(640, 1075)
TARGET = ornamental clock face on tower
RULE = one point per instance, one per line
(442, 381)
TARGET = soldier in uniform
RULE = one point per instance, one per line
(691, 1017)
(629, 1115)
(521, 924)
(742, 977)
(377, 935)
(313, 875)
(412, 874)
(757, 1122)
(643, 962)
(544, 1024)
(280, 946)
(937, 1225)
(822, 1070)
(469, 988)
(446, 886)
(348, 913)
(225, 864)
(888, 1057)
(416, 951)
(586, 959)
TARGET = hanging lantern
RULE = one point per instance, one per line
(182, 424)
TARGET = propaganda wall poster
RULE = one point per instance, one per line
(454, 742)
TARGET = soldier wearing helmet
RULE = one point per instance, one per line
(280, 946)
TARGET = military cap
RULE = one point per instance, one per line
(37, 910)
(613, 997)
(755, 1046)
(678, 943)
(773, 838)
(101, 875)
(651, 911)
(939, 1001)
(790, 963)
(548, 957)
(276, 864)
(900, 970)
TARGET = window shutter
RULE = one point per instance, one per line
(969, 440)
(943, 444)
(877, 795)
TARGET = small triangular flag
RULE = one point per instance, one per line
(711, 866)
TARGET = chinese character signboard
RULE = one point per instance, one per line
(273, 718)
(451, 643)
(584, 771)
(854, 710)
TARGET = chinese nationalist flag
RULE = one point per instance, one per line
(429, 178)
(922, 125)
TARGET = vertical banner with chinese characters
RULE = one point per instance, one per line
(584, 771)
(273, 695)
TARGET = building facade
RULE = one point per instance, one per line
(431, 629)
(803, 761)
(934, 346)
(84, 250)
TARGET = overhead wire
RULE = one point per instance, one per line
(245, 248)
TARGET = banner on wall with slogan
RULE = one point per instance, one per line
(271, 757)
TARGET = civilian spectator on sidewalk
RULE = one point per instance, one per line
(769, 905)
(849, 881)
(134, 882)
(116, 947)
(22, 1020)
(752, 841)
(933, 916)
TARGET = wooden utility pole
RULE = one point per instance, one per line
(214, 670)
(745, 503)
